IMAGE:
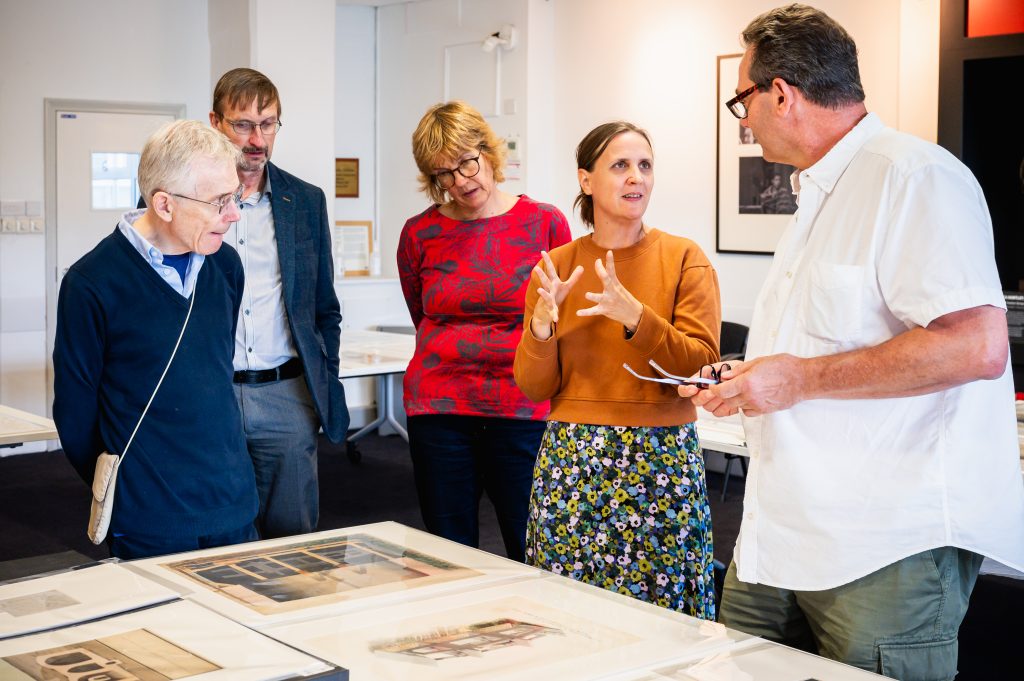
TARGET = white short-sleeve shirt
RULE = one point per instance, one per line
(891, 233)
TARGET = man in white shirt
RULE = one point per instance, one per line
(877, 396)
(287, 343)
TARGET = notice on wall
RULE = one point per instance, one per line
(353, 247)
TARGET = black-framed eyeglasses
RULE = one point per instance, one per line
(736, 106)
(713, 376)
(468, 168)
(268, 128)
(220, 202)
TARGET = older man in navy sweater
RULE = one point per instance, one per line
(187, 481)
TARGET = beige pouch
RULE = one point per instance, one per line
(103, 484)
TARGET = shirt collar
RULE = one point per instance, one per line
(827, 171)
(258, 196)
(147, 250)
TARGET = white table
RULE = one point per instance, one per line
(379, 354)
(18, 427)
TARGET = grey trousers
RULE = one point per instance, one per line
(281, 426)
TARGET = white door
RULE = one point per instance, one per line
(95, 164)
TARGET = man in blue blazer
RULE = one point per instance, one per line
(289, 323)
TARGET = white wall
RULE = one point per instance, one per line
(116, 50)
(355, 105)
(412, 45)
(292, 43)
(589, 61)
(657, 68)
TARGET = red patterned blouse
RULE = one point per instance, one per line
(465, 285)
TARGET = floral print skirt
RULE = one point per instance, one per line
(625, 508)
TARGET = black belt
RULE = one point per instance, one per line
(289, 369)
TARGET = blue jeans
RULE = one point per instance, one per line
(281, 425)
(130, 547)
(456, 458)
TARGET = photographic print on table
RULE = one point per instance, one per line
(176, 640)
(755, 196)
(308, 574)
(74, 596)
(548, 628)
(297, 578)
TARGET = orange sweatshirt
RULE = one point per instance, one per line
(580, 367)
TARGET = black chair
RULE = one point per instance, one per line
(733, 345)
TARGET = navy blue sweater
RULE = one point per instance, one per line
(188, 471)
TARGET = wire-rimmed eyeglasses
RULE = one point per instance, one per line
(268, 128)
(736, 106)
(220, 202)
(468, 168)
(713, 377)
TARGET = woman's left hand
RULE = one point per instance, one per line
(615, 302)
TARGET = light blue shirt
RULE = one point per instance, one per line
(263, 339)
(155, 258)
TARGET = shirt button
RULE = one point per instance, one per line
(250, 349)
(241, 241)
(246, 312)
(749, 515)
(789, 275)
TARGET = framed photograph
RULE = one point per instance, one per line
(548, 628)
(755, 197)
(66, 598)
(173, 641)
(353, 247)
(278, 580)
(346, 178)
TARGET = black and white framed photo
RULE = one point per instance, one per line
(755, 197)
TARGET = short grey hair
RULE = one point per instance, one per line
(170, 153)
(806, 48)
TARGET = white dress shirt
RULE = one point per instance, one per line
(891, 233)
(263, 339)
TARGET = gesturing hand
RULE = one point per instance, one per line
(552, 292)
(615, 302)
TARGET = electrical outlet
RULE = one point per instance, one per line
(8, 225)
(24, 225)
(37, 225)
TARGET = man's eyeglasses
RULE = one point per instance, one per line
(220, 202)
(713, 376)
(736, 106)
(468, 168)
(268, 128)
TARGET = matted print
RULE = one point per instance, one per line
(137, 654)
(540, 628)
(300, 577)
(174, 641)
(470, 640)
(755, 196)
(313, 573)
(74, 596)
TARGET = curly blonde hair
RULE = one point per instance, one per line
(447, 131)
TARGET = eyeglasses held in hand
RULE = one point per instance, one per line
(445, 179)
(714, 376)
(220, 202)
(268, 128)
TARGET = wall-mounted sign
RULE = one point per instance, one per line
(346, 178)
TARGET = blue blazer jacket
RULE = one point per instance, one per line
(307, 277)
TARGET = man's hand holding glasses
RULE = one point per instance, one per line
(759, 386)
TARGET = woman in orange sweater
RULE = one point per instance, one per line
(619, 497)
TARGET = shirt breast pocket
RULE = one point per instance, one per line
(833, 304)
